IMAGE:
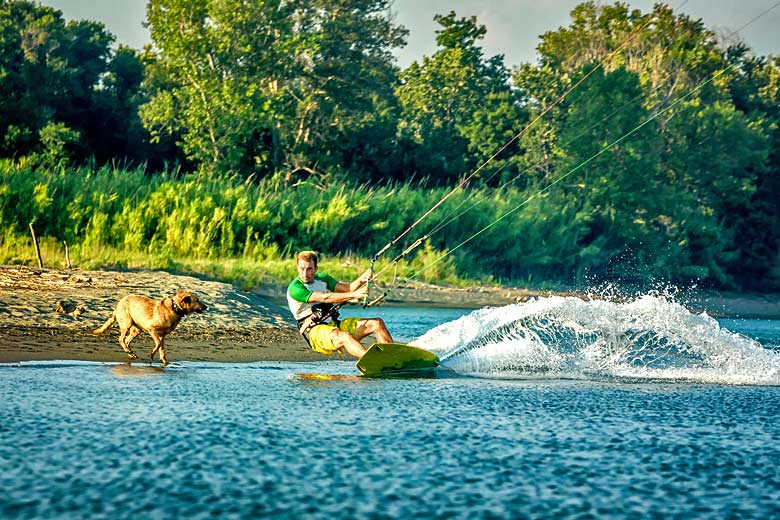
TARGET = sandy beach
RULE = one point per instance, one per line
(48, 314)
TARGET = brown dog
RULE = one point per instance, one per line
(158, 318)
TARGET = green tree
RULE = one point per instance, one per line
(116, 130)
(33, 72)
(756, 92)
(664, 197)
(57, 75)
(56, 138)
(457, 107)
(260, 86)
(345, 106)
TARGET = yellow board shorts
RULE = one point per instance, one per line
(320, 336)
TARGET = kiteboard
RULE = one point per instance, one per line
(395, 358)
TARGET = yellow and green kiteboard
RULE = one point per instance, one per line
(396, 358)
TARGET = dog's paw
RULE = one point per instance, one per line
(132, 355)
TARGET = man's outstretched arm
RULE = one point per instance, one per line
(337, 297)
(355, 284)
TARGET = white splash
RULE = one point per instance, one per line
(649, 338)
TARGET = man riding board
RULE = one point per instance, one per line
(311, 288)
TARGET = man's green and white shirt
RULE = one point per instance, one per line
(298, 293)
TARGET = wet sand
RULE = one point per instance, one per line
(48, 314)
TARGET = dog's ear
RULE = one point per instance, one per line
(187, 299)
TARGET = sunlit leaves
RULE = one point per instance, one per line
(265, 86)
(457, 108)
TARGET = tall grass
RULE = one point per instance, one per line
(247, 231)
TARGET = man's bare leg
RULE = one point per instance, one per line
(347, 342)
(375, 326)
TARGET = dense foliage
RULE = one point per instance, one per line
(289, 125)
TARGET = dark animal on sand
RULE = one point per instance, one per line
(156, 317)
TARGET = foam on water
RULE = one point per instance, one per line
(651, 337)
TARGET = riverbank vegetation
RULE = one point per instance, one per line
(246, 132)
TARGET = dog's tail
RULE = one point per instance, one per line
(106, 325)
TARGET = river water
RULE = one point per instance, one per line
(549, 409)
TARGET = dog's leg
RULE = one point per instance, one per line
(130, 336)
(125, 337)
(163, 359)
(159, 346)
(153, 352)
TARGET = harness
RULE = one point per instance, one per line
(320, 313)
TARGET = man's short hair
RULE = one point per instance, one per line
(307, 256)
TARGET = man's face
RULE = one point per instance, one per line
(306, 271)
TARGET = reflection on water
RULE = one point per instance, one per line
(315, 379)
(131, 370)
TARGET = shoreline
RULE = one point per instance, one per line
(48, 314)
(19, 344)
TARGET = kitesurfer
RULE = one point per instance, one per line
(311, 298)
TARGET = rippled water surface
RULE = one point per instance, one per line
(591, 433)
